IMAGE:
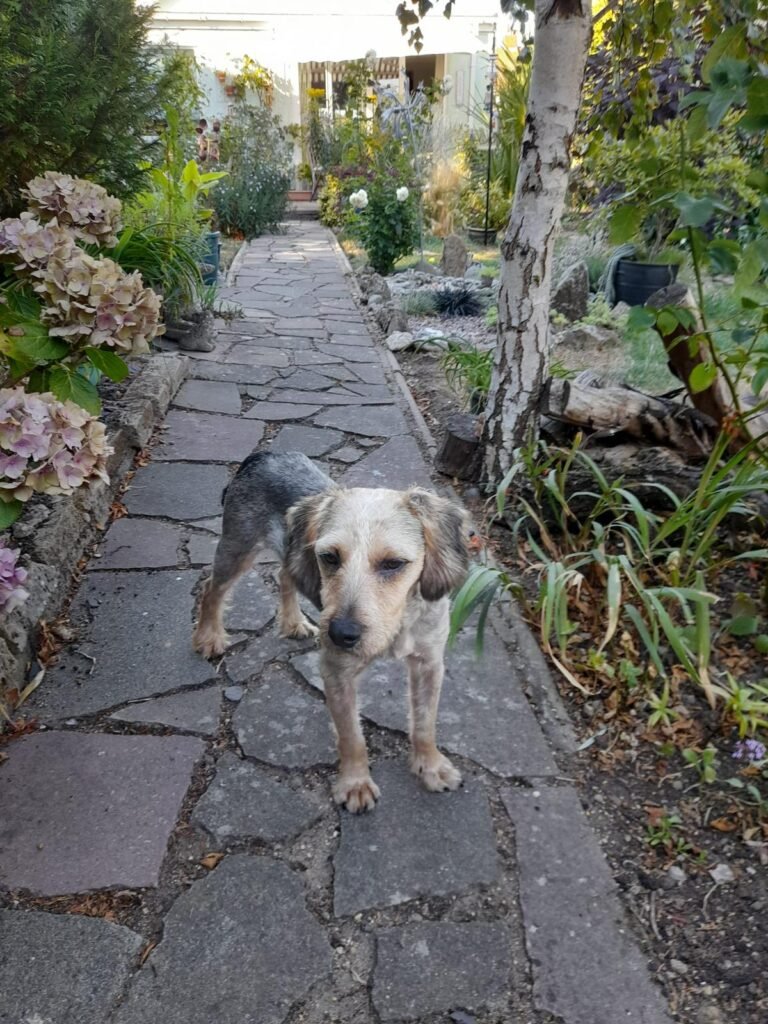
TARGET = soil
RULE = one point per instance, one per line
(690, 858)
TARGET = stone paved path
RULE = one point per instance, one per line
(185, 807)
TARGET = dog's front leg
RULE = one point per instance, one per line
(425, 680)
(354, 788)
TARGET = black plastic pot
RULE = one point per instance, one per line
(635, 282)
(479, 235)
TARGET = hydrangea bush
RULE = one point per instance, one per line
(46, 447)
(12, 578)
(85, 208)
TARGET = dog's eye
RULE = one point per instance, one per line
(330, 559)
(391, 565)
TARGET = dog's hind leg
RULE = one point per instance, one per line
(230, 562)
(291, 620)
(425, 680)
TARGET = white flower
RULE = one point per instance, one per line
(359, 200)
(402, 194)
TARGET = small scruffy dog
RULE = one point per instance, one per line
(379, 564)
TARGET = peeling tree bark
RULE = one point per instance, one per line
(561, 44)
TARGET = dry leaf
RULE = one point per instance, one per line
(724, 825)
(146, 951)
(210, 860)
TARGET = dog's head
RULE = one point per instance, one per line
(359, 554)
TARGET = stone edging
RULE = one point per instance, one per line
(234, 266)
(54, 535)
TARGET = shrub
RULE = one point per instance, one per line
(331, 202)
(252, 199)
(80, 86)
(418, 303)
(460, 301)
(387, 225)
(472, 206)
(46, 447)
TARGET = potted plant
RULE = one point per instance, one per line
(472, 206)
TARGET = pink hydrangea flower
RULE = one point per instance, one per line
(12, 576)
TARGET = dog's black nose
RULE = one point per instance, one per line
(344, 632)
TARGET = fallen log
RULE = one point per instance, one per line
(614, 411)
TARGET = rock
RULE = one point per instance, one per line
(424, 267)
(709, 1014)
(676, 874)
(398, 341)
(455, 257)
(621, 309)
(722, 874)
(586, 337)
(571, 296)
(372, 284)
(678, 967)
(234, 693)
(391, 318)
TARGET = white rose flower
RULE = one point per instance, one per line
(359, 200)
(402, 194)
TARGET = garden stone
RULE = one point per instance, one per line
(372, 284)
(62, 968)
(140, 544)
(586, 969)
(415, 844)
(399, 340)
(204, 437)
(397, 464)
(435, 966)
(310, 440)
(587, 337)
(455, 256)
(245, 801)
(234, 372)
(88, 811)
(571, 295)
(378, 421)
(280, 724)
(271, 412)
(238, 947)
(193, 711)
(621, 309)
(209, 396)
(177, 491)
(195, 331)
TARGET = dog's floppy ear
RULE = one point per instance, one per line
(446, 529)
(302, 529)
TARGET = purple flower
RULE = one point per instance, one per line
(12, 576)
(749, 750)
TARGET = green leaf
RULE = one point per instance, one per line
(9, 512)
(761, 643)
(640, 318)
(36, 348)
(702, 377)
(759, 380)
(730, 43)
(697, 123)
(624, 224)
(743, 625)
(666, 322)
(111, 365)
(694, 213)
(69, 386)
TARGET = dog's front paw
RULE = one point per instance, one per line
(209, 643)
(357, 794)
(301, 629)
(436, 772)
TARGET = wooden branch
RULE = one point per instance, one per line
(611, 411)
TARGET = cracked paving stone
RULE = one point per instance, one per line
(277, 722)
(272, 411)
(177, 491)
(252, 604)
(140, 544)
(237, 373)
(247, 662)
(346, 455)
(304, 380)
(351, 353)
(86, 811)
(206, 437)
(374, 422)
(245, 801)
(398, 464)
(309, 440)
(209, 396)
(193, 710)
(483, 713)
(239, 947)
(62, 968)
(137, 644)
(436, 967)
(415, 844)
(333, 398)
(201, 549)
(586, 966)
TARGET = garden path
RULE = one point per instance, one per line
(168, 848)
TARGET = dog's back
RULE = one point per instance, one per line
(265, 486)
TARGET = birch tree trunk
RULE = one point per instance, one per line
(561, 44)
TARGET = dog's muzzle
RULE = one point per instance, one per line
(345, 633)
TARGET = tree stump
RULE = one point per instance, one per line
(460, 452)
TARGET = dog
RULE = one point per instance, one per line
(378, 564)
